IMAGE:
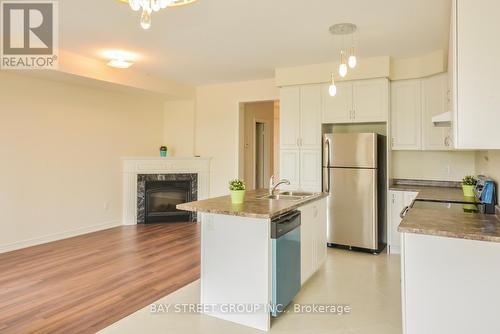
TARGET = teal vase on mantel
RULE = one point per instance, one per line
(163, 151)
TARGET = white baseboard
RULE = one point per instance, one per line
(57, 236)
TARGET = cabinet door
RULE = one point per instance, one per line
(306, 243)
(396, 202)
(406, 115)
(434, 102)
(310, 170)
(337, 109)
(478, 69)
(290, 167)
(409, 197)
(310, 117)
(320, 229)
(370, 100)
(289, 117)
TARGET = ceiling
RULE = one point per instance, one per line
(215, 41)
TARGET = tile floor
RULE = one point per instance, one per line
(369, 284)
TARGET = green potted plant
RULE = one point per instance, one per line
(468, 184)
(163, 151)
(237, 190)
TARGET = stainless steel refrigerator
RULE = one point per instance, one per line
(354, 176)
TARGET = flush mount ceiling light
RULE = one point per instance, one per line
(150, 6)
(342, 30)
(119, 58)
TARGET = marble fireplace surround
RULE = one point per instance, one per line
(135, 166)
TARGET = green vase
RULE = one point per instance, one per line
(468, 190)
(237, 196)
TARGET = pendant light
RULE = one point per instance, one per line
(332, 90)
(352, 61)
(345, 61)
(343, 65)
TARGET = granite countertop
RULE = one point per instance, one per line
(251, 207)
(444, 222)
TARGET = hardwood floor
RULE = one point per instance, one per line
(85, 283)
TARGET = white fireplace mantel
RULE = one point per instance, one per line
(133, 166)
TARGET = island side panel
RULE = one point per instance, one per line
(236, 266)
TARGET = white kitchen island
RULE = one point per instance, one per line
(236, 252)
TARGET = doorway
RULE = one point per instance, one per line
(259, 133)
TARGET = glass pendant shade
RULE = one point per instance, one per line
(343, 65)
(135, 4)
(332, 90)
(352, 61)
(155, 5)
(146, 19)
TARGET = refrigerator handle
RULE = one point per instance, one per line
(327, 143)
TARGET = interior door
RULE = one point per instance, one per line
(352, 207)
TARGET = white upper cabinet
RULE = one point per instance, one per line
(406, 114)
(310, 120)
(290, 117)
(476, 69)
(338, 108)
(370, 100)
(435, 102)
(300, 134)
(359, 101)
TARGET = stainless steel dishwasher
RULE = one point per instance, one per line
(285, 235)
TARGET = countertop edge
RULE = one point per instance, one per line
(448, 234)
(293, 206)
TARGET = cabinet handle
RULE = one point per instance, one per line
(403, 212)
(298, 141)
(354, 114)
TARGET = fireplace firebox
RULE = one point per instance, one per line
(159, 194)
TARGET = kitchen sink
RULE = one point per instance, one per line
(296, 193)
(288, 196)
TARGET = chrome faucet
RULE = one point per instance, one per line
(272, 186)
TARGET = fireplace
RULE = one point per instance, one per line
(158, 195)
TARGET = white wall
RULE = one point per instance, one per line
(488, 163)
(179, 127)
(61, 145)
(432, 165)
(217, 125)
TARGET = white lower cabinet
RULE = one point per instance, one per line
(398, 200)
(449, 285)
(312, 238)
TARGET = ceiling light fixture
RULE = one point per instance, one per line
(120, 63)
(119, 58)
(150, 6)
(343, 29)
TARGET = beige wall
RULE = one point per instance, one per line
(488, 163)
(432, 165)
(217, 124)
(61, 146)
(179, 127)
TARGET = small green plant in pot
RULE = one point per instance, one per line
(468, 184)
(237, 189)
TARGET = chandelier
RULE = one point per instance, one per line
(350, 61)
(150, 6)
